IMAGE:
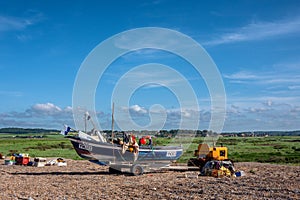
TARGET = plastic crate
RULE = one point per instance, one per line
(22, 160)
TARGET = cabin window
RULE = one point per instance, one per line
(222, 153)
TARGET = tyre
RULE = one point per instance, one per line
(137, 170)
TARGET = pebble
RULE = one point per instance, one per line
(85, 180)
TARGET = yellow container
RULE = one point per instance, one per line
(130, 149)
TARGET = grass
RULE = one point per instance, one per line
(49, 145)
(275, 149)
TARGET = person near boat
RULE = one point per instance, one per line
(129, 143)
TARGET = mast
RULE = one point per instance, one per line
(112, 122)
(85, 118)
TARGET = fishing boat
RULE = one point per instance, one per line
(124, 154)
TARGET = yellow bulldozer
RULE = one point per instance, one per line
(204, 154)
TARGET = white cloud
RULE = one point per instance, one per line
(23, 37)
(154, 75)
(147, 54)
(47, 108)
(135, 109)
(290, 78)
(68, 109)
(233, 109)
(242, 75)
(9, 23)
(287, 66)
(269, 103)
(19, 24)
(44, 115)
(259, 31)
(263, 115)
(257, 110)
(184, 112)
(295, 109)
(294, 87)
(153, 38)
(138, 109)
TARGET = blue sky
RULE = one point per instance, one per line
(255, 45)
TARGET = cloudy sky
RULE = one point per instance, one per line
(254, 44)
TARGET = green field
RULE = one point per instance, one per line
(273, 149)
(50, 145)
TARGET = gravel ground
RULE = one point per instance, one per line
(85, 180)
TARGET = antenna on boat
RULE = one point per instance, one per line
(112, 122)
(85, 119)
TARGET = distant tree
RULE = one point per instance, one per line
(26, 130)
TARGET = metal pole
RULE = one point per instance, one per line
(85, 116)
(112, 122)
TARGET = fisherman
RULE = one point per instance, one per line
(133, 143)
(125, 138)
(150, 142)
(135, 146)
(125, 142)
(130, 141)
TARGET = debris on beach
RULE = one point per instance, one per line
(58, 162)
(24, 159)
(18, 159)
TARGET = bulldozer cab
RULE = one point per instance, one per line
(218, 153)
(211, 153)
(205, 154)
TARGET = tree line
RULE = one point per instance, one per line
(26, 130)
(161, 133)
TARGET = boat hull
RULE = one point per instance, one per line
(107, 153)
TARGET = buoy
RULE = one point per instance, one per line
(143, 141)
